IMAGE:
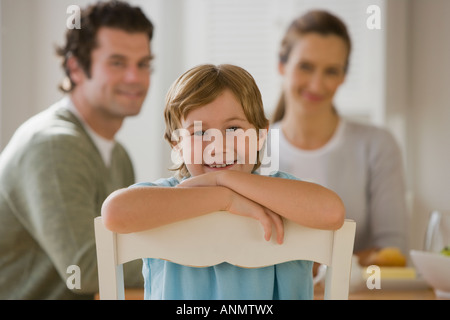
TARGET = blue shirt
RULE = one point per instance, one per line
(168, 280)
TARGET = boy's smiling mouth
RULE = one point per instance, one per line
(219, 165)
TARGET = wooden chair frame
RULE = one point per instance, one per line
(223, 237)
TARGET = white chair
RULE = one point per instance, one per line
(218, 237)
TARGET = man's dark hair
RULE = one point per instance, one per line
(80, 42)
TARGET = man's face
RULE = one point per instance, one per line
(120, 73)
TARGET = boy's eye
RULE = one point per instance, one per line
(231, 129)
(198, 133)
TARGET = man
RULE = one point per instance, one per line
(62, 163)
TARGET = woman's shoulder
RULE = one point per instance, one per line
(368, 132)
(375, 139)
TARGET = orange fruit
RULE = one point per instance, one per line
(390, 257)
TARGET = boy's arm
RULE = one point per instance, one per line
(140, 208)
(305, 203)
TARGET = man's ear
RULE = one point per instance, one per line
(76, 72)
(281, 68)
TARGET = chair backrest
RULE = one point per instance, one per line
(218, 237)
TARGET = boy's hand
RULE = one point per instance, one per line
(242, 206)
(203, 180)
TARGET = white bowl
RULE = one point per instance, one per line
(435, 269)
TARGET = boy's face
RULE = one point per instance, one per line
(218, 136)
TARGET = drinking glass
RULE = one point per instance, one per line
(438, 232)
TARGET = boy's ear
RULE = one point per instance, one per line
(262, 137)
(176, 153)
(176, 146)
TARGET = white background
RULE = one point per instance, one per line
(399, 75)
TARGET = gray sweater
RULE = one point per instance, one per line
(363, 165)
(53, 182)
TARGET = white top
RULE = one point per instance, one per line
(363, 165)
(104, 146)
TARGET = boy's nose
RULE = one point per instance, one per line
(220, 149)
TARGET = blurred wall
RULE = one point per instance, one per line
(428, 112)
(416, 98)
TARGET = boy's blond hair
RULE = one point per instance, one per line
(202, 85)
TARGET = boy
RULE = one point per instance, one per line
(222, 99)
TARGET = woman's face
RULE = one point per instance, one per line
(313, 72)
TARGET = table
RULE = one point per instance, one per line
(421, 294)
(366, 294)
(380, 294)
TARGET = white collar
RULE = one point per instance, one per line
(335, 140)
(104, 146)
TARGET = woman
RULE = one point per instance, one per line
(361, 163)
